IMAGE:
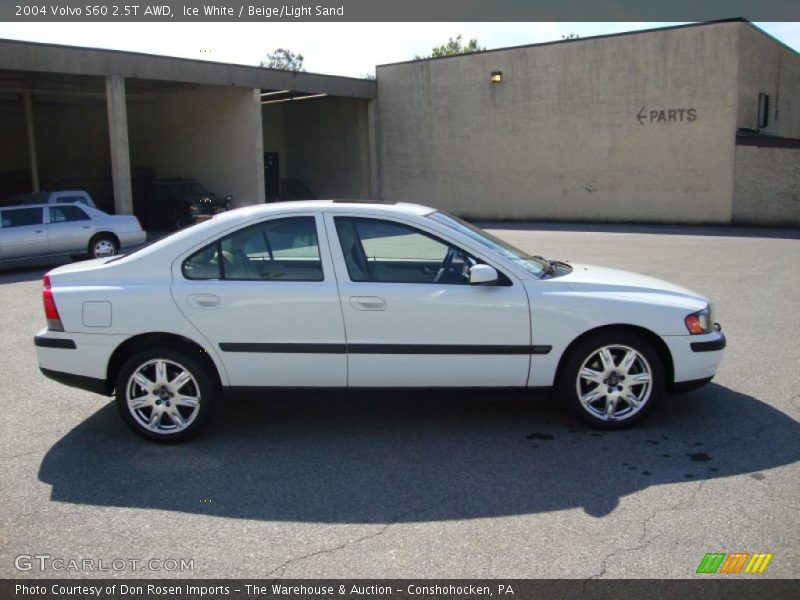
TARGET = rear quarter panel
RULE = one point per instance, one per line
(140, 302)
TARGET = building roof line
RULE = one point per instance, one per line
(589, 38)
(179, 58)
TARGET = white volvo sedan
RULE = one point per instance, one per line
(330, 294)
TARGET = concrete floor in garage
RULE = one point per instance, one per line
(424, 486)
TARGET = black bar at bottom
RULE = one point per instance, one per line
(709, 586)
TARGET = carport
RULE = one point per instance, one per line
(99, 120)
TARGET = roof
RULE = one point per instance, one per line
(54, 59)
(332, 205)
(592, 38)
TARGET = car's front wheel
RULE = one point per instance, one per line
(164, 394)
(612, 380)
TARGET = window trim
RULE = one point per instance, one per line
(502, 279)
(221, 263)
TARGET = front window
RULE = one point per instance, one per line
(535, 265)
(390, 252)
(191, 189)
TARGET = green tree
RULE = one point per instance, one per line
(453, 47)
(283, 59)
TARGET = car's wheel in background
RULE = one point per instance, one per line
(612, 380)
(164, 394)
(103, 245)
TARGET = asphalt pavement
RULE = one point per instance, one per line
(426, 485)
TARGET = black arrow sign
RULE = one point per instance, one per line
(641, 116)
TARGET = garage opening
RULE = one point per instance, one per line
(55, 135)
(194, 149)
(315, 146)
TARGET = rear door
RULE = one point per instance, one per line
(413, 319)
(266, 297)
(69, 229)
(23, 233)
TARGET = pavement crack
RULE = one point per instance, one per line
(644, 542)
(357, 540)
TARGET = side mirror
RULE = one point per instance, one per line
(479, 274)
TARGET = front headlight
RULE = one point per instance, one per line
(700, 322)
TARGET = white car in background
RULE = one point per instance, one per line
(72, 229)
(331, 294)
(56, 197)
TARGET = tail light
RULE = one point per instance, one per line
(50, 310)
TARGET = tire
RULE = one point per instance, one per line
(146, 398)
(103, 245)
(604, 389)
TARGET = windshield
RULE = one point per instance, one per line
(191, 189)
(535, 265)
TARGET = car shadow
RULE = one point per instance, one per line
(415, 457)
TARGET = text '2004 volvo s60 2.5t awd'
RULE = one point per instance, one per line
(332, 294)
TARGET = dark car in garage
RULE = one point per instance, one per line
(175, 203)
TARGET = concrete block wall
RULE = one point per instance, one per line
(559, 138)
(767, 186)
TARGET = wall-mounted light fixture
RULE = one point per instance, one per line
(496, 78)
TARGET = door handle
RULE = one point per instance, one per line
(87, 227)
(367, 303)
(203, 301)
(38, 231)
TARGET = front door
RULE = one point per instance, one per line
(265, 296)
(413, 319)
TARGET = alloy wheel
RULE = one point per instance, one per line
(614, 383)
(163, 396)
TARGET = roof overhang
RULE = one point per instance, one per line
(73, 60)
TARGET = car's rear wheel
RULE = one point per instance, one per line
(164, 394)
(103, 245)
(612, 380)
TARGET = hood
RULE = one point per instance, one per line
(615, 282)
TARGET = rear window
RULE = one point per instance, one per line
(64, 214)
(284, 249)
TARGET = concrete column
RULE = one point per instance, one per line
(118, 141)
(258, 130)
(34, 163)
(372, 139)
